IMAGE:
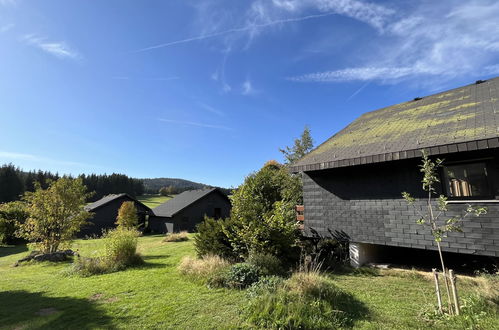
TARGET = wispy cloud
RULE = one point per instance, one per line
(197, 124)
(363, 74)
(211, 109)
(246, 28)
(247, 88)
(57, 49)
(423, 44)
(15, 156)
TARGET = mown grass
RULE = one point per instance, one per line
(153, 200)
(157, 296)
(154, 295)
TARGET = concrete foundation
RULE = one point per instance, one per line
(362, 253)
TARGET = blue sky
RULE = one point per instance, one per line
(209, 90)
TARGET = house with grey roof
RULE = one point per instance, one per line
(353, 181)
(186, 210)
(105, 211)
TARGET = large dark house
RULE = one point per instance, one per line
(105, 211)
(186, 210)
(353, 181)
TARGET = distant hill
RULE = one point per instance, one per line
(152, 186)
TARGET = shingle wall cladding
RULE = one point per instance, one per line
(365, 202)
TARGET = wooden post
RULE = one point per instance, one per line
(454, 291)
(437, 290)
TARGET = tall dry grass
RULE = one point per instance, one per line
(202, 269)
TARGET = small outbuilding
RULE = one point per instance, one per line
(105, 211)
(186, 210)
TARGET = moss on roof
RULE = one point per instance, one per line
(464, 114)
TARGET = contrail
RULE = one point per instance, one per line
(234, 30)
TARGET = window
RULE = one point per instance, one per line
(467, 180)
(218, 213)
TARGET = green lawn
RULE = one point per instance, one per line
(156, 296)
(153, 200)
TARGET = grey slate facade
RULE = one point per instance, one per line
(186, 210)
(105, 212)
(362, 195)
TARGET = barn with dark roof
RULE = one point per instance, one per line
(353, 181)
(105, 211)
(186, 210)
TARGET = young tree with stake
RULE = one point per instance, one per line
(432, 218)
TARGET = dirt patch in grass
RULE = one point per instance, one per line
(46, 311)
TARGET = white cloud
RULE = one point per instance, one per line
(192, 123)
(363, 74)
(58, 49)
(424, 44)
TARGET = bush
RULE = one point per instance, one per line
(120, 252)
(266, 284)
(267, 263)
(212, 240)
(176, 237)
(263, 214)
(203, 269)
(240, 276)
(121, 247)
(12, 215)
(305, 301)
(127, 216)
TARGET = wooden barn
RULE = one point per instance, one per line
(353, 181)
(186, 210)
(105, 211)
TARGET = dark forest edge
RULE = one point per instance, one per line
(14, 182)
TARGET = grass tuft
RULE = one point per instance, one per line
(202, 269)
(176, 237)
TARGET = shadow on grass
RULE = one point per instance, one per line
(354, 309)
(153, 257)
(34, 310)
(6, 250)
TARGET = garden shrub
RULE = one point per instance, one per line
(204, 268)
(120, 252)
(305, 301)
(267, 263)
(212, 240)
(263, 214)
(176, 237)
(121, 247)
(241, 275)
(266, 284)
(12, 215)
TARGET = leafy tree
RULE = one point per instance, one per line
(263, 213)
(12, 215)
(11, 184)
(439, 228)
(211, 239)
(127, 216)
(301, 147)
(56, 214)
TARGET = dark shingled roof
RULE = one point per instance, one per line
(462, 119)
(109, 198)
(181, 201)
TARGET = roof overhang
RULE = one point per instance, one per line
(398, 155)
